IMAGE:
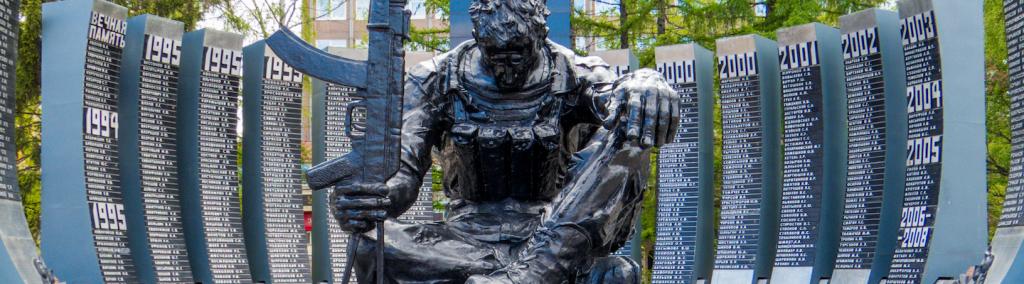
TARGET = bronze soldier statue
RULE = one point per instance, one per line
(530, 203)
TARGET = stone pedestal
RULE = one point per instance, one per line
(751, 162)
(275, 235)
(877, 104)
(84, 228)
(685, 219)
(147, 144)
(814, 157)
(210, 85)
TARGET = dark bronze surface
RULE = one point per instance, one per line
(526, 205)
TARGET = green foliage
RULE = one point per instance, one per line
(998, 113)
(261, 18)
(431, 39)
(189, 12)
(27, 112)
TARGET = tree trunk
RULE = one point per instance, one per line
(662, 16)
(623, 19)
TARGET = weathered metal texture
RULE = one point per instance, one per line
(500, 129)
(559, 28)
(621, 62)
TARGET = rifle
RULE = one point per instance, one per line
(379, 82)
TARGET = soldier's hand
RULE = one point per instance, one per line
(358, 207)
(646, 106)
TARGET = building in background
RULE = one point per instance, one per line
(342, 23)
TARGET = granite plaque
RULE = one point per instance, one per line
(17, 248)
(875, 91)
(211, 74)
(751, 124)
(274, 223)
(559, 29)
(84, 227)
(1008, 265)
(685, 218)
(330, 102)
(621, 62)
(147, 143)
(942, 228)
(814, 155)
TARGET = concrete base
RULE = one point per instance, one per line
(732, 276)
(1006, 245)
(850, 276)
(18, 243)
(792, 275)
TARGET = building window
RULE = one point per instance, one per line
(362, 9)
(325, 43)
(331, 9)
(603, 7)
(418, 8)
(581, 43)
(761, 8)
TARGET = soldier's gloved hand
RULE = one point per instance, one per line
(646, 106)
(359, 207)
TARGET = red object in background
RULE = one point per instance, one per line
(308, 219)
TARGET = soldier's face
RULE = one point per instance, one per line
(510, 65)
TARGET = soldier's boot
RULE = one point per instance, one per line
(612, 269)
(552, 256)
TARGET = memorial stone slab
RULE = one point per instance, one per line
(814, 156)
(330, 102)
(559, 29)
(877, 124)
(84, 229)
(147, 112)
(211, 81)
(17, 248)
(942, 226)
(1008, 242)
(685, 218)
(621, 62)
(751, 131)
(272, 180)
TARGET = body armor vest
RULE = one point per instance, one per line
(504, 144)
